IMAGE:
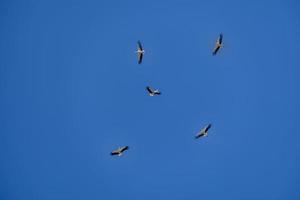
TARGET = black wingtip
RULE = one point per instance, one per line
(208, 127)
(221, 38)
(140, 44)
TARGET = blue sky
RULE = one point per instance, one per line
(71, 91)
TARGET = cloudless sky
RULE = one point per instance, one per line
(71, 91)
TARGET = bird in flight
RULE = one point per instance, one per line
(218, 45)
(140, 52)
(153, 92)
(119, 151)
(203, 132)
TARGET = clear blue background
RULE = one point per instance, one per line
(71, 91)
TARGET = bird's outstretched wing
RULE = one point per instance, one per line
(124, 148)
(220, 38)
(149, 89)
(207, 127)
(216, 49)
(140, 45)
(157, 92)
(200, 134)
(114, 153)
(140, 58)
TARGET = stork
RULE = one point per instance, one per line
(119, 151)
(203, 132)
(140, 52)
(219, 44)
(153, 92)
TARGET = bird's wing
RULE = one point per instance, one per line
(216, 49)
(220, 38)
(116, 152)
(149, 89)
(124, 148)
(200, 134)
(207, 127)
(158, 92)
(140, 45)
(140, 58)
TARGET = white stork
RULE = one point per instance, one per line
(140, 52)
(153, 92)
(203, 132)
(219, 44)
(119, 151)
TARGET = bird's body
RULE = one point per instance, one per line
(119, 151)
(203, 132)
(218, 45)
(140, 52)
(153, 92)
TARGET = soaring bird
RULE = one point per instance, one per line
(203, 131)
(152, 92)
(119, 151)
(140, 52)
(218, 45)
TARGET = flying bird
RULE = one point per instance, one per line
(140, 52)
(218, 45)
(203, 132)
(153, 92)
(119, 151)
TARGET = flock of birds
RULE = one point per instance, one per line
(154, 92)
